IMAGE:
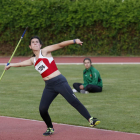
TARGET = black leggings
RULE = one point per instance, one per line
(52, 88)
(89, 88)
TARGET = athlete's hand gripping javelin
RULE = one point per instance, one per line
(7, 67)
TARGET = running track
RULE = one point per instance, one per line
(23, 129)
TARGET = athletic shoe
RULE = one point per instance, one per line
(93, 122)
(49, 131)
(84, 92)
(74, 90)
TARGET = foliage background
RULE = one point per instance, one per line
(107, 27)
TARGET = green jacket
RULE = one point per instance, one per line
(92, 76)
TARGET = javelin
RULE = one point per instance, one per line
(14, 52)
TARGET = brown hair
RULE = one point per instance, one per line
(37, 38)
(87, 59)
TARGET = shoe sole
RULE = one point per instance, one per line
(96, 123)
(48, 135)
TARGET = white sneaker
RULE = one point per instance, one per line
(84, 92)
(74, 90)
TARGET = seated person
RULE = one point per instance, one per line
(92, 80)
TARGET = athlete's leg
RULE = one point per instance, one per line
(47, 97)
(76, 86)
(64, 89)
(93, 88)
(67, 93)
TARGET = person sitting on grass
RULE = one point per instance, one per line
(55, 82)
(92, 79)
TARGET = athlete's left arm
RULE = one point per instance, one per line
(54, 47)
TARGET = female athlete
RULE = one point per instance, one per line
(55, 82)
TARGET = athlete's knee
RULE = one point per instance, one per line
(88, 87)
(43, 109)
(74, 85)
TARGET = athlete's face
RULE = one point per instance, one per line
(87, 64)
(35, 44)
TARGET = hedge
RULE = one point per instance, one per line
(107, 27)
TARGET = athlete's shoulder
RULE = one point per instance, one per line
(94, 69)
(46, 53)
(32, 59)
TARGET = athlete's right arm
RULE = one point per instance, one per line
(25, 63)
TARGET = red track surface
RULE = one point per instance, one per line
(19, 129)
(80, 59)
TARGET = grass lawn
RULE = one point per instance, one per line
(117, 107)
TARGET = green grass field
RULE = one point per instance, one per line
(117, 107)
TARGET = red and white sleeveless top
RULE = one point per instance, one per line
(45, 65)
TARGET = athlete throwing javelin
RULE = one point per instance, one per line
(55, 82)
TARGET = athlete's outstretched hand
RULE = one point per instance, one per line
(78, 41)
(7, 67)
